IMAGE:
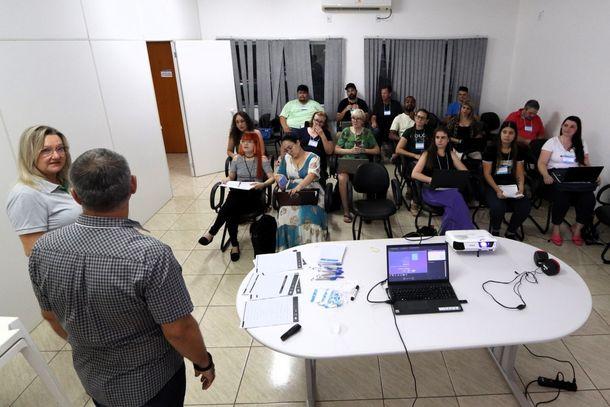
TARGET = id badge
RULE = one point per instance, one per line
(313, 142)
(528, 128)
(387, 112)
(419, 145)
(568, 159)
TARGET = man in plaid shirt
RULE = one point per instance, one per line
(117, 296)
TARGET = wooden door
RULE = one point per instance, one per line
(166, 92)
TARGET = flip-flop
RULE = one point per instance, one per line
(347, 218)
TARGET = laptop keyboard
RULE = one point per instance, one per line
(428, 292)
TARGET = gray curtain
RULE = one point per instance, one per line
(243, 63)
(416, 68)
(333, 77)
(466, 66)
(372, 67)
(263, 77)
(278, 79)
(298, 66)
(429, 70)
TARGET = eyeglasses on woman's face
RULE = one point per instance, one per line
(47, 152)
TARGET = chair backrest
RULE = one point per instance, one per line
(264, 121)
(491, 121)
(372, 178)
(535, 147)
(433, 122)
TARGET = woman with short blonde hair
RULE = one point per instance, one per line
(40, 201)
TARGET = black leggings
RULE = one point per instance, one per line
(497, 208)
(583, 202)
(238, 203)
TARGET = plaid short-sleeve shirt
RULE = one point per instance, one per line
(111, 287)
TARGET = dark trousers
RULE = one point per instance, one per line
(171, 395)
(237, 204)
(583, 202)
(498, 207)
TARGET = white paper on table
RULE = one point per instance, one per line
(275, 285)
(510, 191)
(246, 186)
(278, 262)
(270, 311)
(332, 254)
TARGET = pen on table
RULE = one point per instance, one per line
(355, 292)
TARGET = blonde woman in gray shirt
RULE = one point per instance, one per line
(40, 201)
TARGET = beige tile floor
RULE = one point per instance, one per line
(252, 375)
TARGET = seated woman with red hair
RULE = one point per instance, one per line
(249, 165)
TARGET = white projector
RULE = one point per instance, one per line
(471, 240)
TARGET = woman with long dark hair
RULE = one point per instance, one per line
(503, 166)
(241, 123)
(440, 155)
(565, 151)
(248, 166)
(465, 131)
(316, 139)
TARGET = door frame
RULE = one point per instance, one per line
(187, 135)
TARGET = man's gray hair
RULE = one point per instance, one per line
(101, 179)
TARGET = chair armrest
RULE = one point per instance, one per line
(216, 206)
(396, 194)
(274, 203)
(598, 197)
(227, 165)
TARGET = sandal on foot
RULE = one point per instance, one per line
(204, 241)
(577, 240)
(557, 240)
(347, 218)
(235, 255)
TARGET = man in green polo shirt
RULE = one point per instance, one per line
(297, 111)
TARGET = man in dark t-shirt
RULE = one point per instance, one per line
(384, 113)
(351, 102)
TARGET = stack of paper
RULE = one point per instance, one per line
(510, 191)
(273, 285)
(278, 262)
(270, 311)
(239, 185)
(331, 255)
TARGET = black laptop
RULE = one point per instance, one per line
(449, 179)
(418, 279)
(576, 174)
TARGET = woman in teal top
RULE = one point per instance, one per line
(299, 224)
(355, 141)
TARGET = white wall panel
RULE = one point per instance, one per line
(128, 93)
(164, 20)
(41, 19)
(113, 19)
(561, 60)
(209, 100)
(54, 83)
(16, 295)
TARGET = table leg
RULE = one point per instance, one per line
(310, 376)
(505, 356)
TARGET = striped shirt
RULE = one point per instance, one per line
(111, 287)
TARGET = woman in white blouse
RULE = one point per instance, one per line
(565, 151)
(41, 201)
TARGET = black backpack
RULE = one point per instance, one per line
(262, 234)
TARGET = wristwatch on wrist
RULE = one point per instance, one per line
(208, 367)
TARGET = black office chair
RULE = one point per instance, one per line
(491, 123)
(373, 181)
(603, 216)
(216, 203)
(275, 138)
(539, 192)
(423, 206)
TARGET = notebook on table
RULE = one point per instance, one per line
(418, 279)
(576, 174)
(449, 179)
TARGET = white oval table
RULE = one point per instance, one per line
(556, 307)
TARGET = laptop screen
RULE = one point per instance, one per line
(415, 263)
